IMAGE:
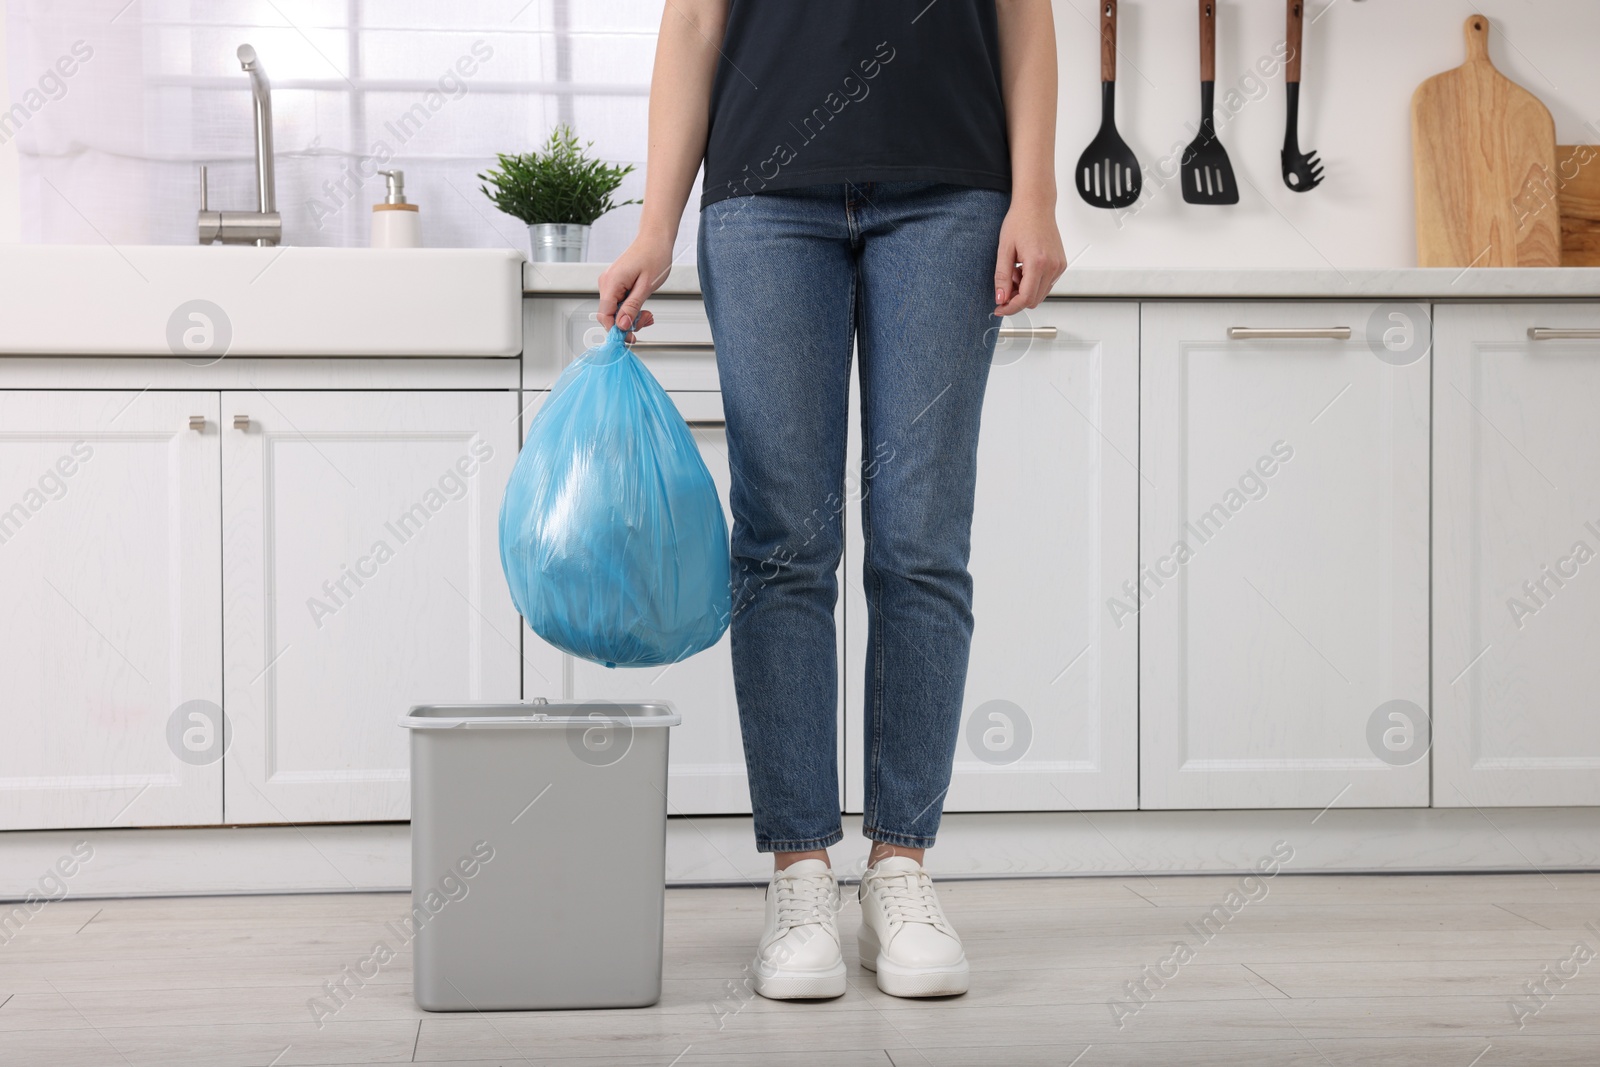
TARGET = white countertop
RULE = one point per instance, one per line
(201, 303)
(1412, 283)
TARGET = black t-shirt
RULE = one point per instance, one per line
(815, 91)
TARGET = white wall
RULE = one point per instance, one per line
(10, 208)
(1363, 59)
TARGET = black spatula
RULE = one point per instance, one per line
(1207, 174)
(1108, 173)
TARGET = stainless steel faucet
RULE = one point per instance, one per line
(264, 226)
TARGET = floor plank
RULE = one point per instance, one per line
(1314, 970)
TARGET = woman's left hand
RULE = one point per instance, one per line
(1030, 258)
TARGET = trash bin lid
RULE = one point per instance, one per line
(539, 713)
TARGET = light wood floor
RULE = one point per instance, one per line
(1324, 971)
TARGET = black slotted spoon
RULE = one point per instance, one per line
(1108, 174)
(1207, 174)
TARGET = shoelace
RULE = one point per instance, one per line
(907, 898)
(804, 900)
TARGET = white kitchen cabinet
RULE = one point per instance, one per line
(1283, 587)
(1050, 715)
(361, 575)
(109, 562)
(705, 771)
(1516, 527)
(676, 347)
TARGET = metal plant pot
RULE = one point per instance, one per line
(559, 242)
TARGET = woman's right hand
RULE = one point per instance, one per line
(629, 281)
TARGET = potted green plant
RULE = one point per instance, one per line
(558, 191)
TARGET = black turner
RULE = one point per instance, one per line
(1207, 175)
(1108, 173)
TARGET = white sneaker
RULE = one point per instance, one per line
(904, 935)
(799, 957)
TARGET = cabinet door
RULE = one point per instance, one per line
(361, 576)
(109, 508)
(1283, 583)
(705, 772)
(1516, 527)
(1050, 715)
(677, 347)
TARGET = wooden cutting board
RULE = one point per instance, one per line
(1485, 155)
(1578, 194)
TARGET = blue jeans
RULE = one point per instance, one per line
(905, 270)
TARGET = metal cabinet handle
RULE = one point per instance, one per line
(1544, 333)
(1046, 333)
(241, 422)
(197, 422)
(1267, 333)
(707, 424)
(695, 346)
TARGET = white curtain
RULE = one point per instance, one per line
(120, 101)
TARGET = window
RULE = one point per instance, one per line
(112, 152)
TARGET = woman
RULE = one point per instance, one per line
(882, 172)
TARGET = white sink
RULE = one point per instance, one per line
(99, 300)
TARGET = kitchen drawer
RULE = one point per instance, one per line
(1516, 585)
(1049, 717)
(1282, 592)
(110, 647)
(677, 348)
(360, 574)
(705, 773)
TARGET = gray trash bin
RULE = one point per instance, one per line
(538, 854)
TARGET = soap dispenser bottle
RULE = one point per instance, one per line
(395, 223)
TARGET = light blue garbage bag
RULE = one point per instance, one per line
(611, 534)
